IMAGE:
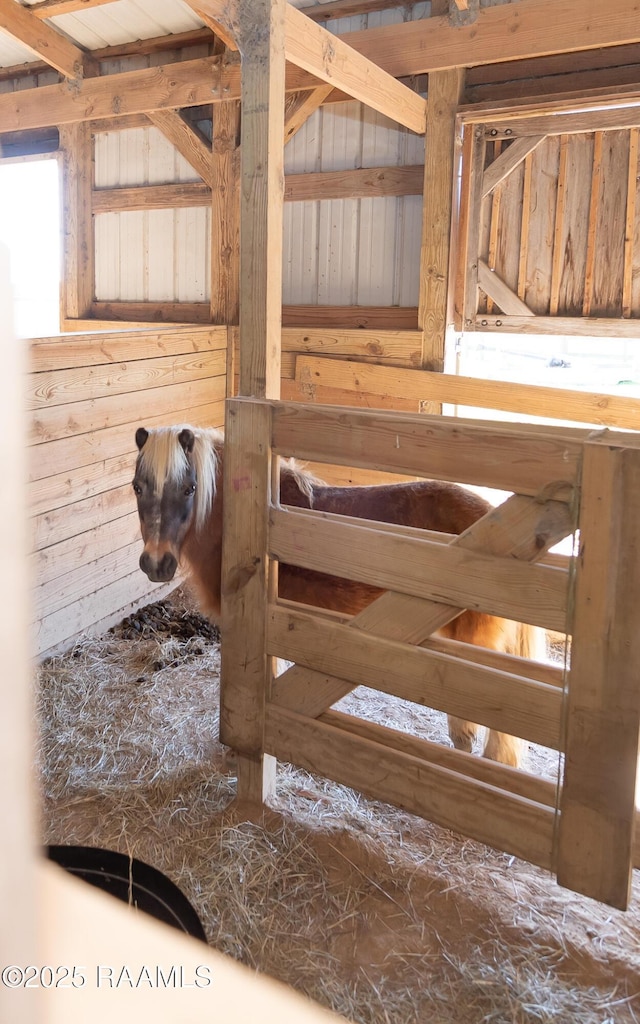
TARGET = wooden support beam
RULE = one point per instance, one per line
(78, 271)
(316, 185)
(597, 806)
(182, 84)
(507, 162)
(261, 211)
(577, 122)
(187, 140)
(43, 40)
(300, 106)
(529, 28)
(259, 29)
(225, 214)
(445, 93)
(501, 294)
(494, 224)
(310, 47)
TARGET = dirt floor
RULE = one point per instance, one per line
(383, 917)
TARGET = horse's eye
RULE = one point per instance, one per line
(191, 489)
(137, 489)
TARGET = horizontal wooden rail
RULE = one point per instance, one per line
(529, 399)
(392, 560)
(490, 455)
(509, 822)
(499, 700)
(588, 327)
(512, 780)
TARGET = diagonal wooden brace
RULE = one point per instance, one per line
(522, 527)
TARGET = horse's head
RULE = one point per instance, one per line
(165, 485)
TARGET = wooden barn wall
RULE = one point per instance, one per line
(563, 229)
(87, 395)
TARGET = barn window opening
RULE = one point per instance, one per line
(30, 229)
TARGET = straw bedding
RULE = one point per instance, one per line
(382, 917)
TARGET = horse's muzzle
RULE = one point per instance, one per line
(159, 572)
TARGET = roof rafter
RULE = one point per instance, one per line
(52, 47)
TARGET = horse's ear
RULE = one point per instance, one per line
(141, 437)
(187, 439)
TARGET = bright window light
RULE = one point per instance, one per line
(30, 228)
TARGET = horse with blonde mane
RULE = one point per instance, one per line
(179, 490)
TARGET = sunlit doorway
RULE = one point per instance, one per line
(30, 228)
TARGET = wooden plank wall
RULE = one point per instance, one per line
(562, 231)
(87, 394)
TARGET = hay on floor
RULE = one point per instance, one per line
(382, 917)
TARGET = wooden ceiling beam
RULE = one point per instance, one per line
(183, 84)
(42, 40)
(529, 28)
(310, 47)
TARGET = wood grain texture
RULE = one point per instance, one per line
(309, 46)
(434, 302)
(595, 840)
(530, 399)
(514, 824)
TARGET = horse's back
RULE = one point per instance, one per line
(427, 504)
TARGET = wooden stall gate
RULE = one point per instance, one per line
(562, 479)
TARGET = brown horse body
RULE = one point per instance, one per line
(178, 484)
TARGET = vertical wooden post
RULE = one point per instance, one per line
(261, 42)
(595, 837)
(443, 98)
(225, 214)
(259, 31)
(245, 667)
(470, 225)
(78, 267)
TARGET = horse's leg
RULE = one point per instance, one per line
(461, 733)
(501, 635)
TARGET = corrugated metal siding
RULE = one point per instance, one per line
(356, 251)
(342, 252)
(152, 255)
